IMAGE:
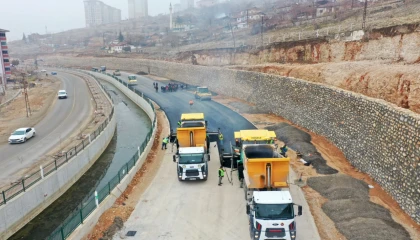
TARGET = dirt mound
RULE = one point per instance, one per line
(300, 141)
(372, 229)
(339, 187)
(352, 212)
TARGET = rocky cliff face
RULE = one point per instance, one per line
(395, 44)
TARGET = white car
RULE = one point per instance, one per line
(62, 94)
(21, 135)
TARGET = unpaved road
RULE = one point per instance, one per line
(61, 121)
(198, 210)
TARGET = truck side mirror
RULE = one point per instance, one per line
(206, 123)
(174, 158)
(248, 209)
(299, 210)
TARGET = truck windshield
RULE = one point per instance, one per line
(203, 90)
(191, 158)
(274, 211)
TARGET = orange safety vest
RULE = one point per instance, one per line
(191, 102)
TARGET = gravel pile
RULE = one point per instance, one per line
(353, 214)
(300, 141)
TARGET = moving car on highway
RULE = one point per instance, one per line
(62, 94)
(21, 135)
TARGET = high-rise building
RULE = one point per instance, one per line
(137, 9)
(5, 70)
(187, 4)
(97, 13)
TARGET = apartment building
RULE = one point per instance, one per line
(137, 9)
(187, 4)
(97, 13)
(5, 71)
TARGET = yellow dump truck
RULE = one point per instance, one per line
(265, 178)
(192, 156)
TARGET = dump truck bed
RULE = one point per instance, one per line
(256, 160)
(192, 137)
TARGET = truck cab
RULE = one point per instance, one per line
(272, 215)
(192, 163)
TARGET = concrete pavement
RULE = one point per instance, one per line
(64, 118)
(193, 210)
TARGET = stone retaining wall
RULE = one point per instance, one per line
(375, 136)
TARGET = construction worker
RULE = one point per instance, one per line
(221, 138)
(191, 103)
(221, 175)
(283, 150)
(165, 142)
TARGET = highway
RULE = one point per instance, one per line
(198, 210)
(62, 120)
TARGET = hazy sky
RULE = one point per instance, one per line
(31, 16)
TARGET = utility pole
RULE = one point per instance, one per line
(25, 93)
(233, 35)
(247, 17)
(262, 30)
(364, 16)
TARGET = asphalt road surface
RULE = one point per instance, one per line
(170, 209)
(176, 103)
(61, 121)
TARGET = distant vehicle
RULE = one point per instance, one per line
(43, 70)
(53, 73)
(21, 135)
(62, 94)
(95, 69)
(116, 73)
(103, 68)
(132, 80)
(202, 93)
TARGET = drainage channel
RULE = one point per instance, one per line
(132, 127)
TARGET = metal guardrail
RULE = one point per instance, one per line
(77, 218)
(31, 179)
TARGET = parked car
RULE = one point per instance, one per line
(116, 73)
(53, 73)
(62, 94)
(21, 135)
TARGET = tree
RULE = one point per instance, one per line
(178, 21)
(120, 37)
(15, 62)
(24, 37)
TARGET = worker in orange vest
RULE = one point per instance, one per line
(191, 103)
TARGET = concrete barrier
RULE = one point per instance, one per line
(24, 207)
(107, 203)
